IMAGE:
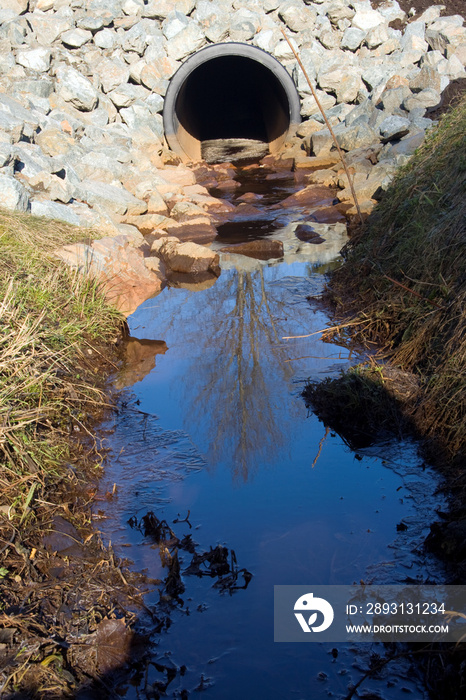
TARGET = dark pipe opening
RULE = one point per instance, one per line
(229, 91)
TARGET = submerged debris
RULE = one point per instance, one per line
(219, 562)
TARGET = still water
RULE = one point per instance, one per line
(213, 422)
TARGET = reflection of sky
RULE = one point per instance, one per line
(226, 347)
(228, 390)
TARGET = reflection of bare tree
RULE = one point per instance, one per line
(235, 394)
(238, 370)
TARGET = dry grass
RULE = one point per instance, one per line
(50, 318)
(405, 277)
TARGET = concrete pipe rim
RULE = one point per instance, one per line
(207, 54)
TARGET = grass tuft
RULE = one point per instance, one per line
(52, 321)
(404, 280)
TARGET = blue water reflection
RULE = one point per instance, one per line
(218, 427)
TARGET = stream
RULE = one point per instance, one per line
(211, 424)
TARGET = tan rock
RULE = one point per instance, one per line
(118, 267)
(155, 265)
(54, 142)
(263, 249)
(140, 354)
(18, 6)
(327, 215)
(51, 187)
(192, 190)
(313, 195)
(214, 206)
(366, 206)
(159, 243)
(396, 81)
(145, 223)
(228, 185)
(198, 230)
(187, 211)
(322, 177)
(187, 257)
(179, 175)
(317, 162)
(156, 204)
(308, 127)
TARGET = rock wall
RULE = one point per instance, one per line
(83, 82)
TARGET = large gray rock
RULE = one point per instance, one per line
(41, 87)
(366, 19)
(112, 73)
(139, 117)
(31, 160)
(344, 84)
(427, 77)
(54, 210)
(394, 127)
(11, 126)
(321, 142)
(406, 147)
(160, 9)
(90, 23)
(75, 38)
(17, 6)
(35, 59)
(357, 136)
(76, 89)
(244, 24)
(425, 98)
(13, 195)
(297, 16)
(6, 158)
(338, 10)
(174, 24)
(392, 99)
(47, 27)
(352, 38)
(135, 39)
(309, 106)
(126, 94)
(187, 41)
(445, 32)
(105, 39)
(213, 18)
(113, 199)
(391, 10)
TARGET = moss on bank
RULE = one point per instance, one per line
(403, 283)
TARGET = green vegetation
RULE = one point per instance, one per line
(52, 322)
(403, 283)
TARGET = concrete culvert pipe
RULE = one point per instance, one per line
(227, 91)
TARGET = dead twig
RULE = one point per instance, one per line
(332, 133)
(411, 291)
(323, 330)
(321, 444)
